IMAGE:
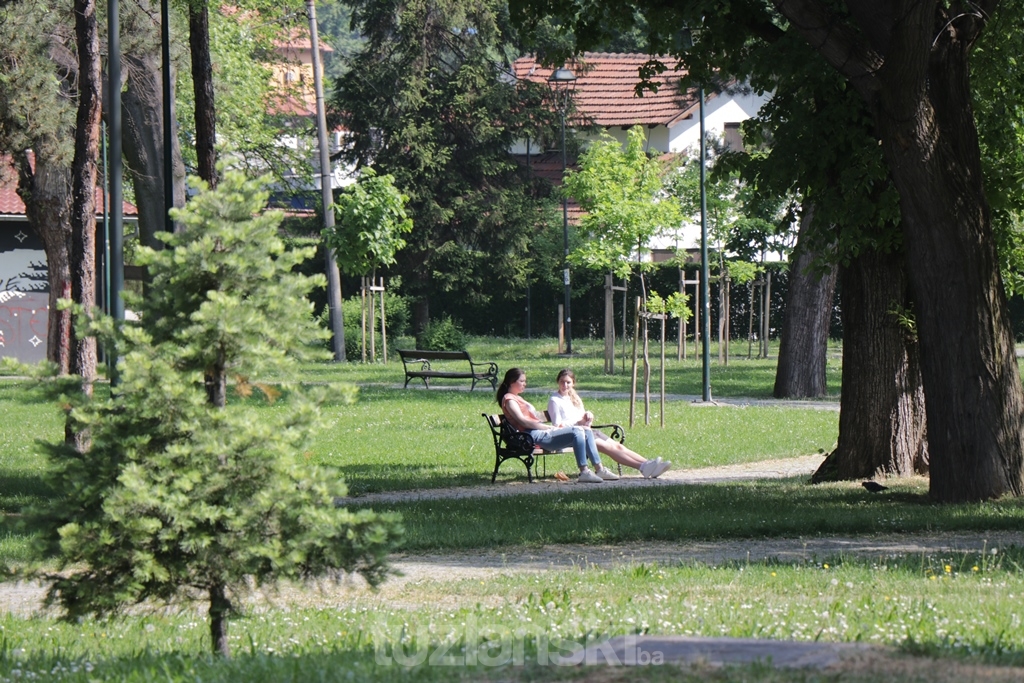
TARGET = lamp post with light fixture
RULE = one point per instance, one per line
(561, 82)
(705, 275)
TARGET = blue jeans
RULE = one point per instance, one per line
(581, 440)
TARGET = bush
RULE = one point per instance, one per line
(445, 334)
(396, 309)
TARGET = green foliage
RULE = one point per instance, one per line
(620, 190)
(176, 494)
(443, 335)
(742, 272)
(36, 110)
(371, 221)
(997, 78)
(427, 100)
(224, 291)
(677, 305)
(248, 130)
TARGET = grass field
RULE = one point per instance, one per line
(948, 615)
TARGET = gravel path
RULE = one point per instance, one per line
(764, 469)
(25, 598)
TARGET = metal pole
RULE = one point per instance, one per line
(165, 52)
(326, 191)
(705, 273)
(116, 204)
(565, 241)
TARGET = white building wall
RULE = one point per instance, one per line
(718, 111)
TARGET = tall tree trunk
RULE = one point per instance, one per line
(974, 400)
(220, 608)
(882, 422)
(47, 197)
(910, 63)
(83, 186)
(202, 82)
(142, 112)
(804, 344)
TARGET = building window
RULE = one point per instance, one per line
(733, 137)
(290, 77)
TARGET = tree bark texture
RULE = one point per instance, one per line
(804, 344)
(909, 60)
(220, 609)
(83, 185)
(202, 81)
(882, 428)
(46, 192)
(142, 117)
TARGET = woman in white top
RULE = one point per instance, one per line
(566, 409)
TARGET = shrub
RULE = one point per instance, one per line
(445, 334)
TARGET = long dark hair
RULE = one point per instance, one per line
(512, 376)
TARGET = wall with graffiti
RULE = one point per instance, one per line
(24, 293)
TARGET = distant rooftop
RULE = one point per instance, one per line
(605, 89)
(11, 205)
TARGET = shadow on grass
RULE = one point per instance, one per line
(784, 508)
(19, 490)
(377, 478)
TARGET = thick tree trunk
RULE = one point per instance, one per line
(974, 400)
(882, 422)
(804, 344)
(142, 112)
(202, 82)
(910, 63)
(83, 185)
(220, 608)
(47, 197)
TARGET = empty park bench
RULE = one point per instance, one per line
(417, 366)
(504, 450)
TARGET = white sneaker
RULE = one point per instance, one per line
(588, 477)
(647, 468)
(607, 474)
(662, 467)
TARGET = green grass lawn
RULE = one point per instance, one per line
(960, 608)
(539, 357)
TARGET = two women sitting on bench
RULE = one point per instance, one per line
(525, 418)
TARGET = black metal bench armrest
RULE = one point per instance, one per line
(613, 430)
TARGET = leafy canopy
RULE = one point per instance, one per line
(371, 221)
(620, 191)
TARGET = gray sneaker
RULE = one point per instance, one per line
(588, 477)
(607, 474)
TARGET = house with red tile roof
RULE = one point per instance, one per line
(24, 283)
(605, 96)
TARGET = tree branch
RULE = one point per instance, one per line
(834, 39)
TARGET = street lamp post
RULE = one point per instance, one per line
(705, 276)
(561, 82)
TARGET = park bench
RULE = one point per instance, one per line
(503, 450)
(417, 366)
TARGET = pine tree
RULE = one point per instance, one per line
(182, 492)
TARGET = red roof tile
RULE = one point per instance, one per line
(605, 89)
(11, 204)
